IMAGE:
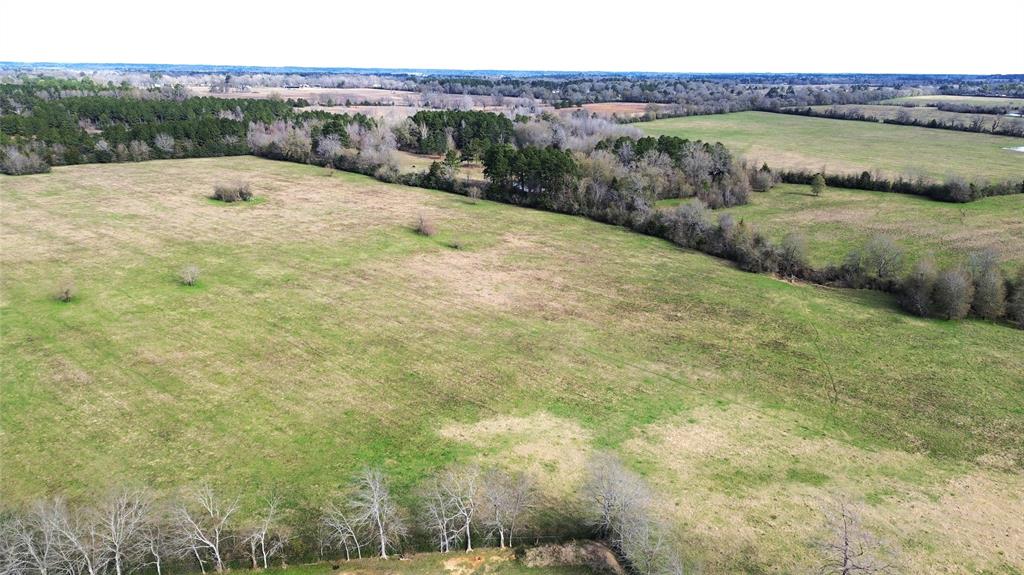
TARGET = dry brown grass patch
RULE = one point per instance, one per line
(738, 481)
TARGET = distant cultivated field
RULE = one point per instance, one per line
(325, 335)
(839, 146)
(925, 114)
(608, 109)
(970, 100)
(355, 95)
(841, 220)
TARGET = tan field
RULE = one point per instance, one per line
(620, 109)
(354, 95)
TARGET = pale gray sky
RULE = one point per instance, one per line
(671, 36)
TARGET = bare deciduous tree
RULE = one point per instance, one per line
(440, 517)
(262, 540)
(462, 486)
(159, 542)
(33, 539)
(851, 550)
(613, 493)
(507, 497)
(164, 143)
(345, 529)
(375, 507)
(81, 546)
(121, 519)
(204, 521)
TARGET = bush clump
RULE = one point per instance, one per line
(425, 226)
(237, 192)
(65, 291)
(16, 162)
(189, 275)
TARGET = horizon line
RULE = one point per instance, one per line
(407, 70)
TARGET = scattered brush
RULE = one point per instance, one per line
(425, 226)
(65, 291)
(232, 192)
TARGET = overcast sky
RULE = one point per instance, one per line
(983, 36)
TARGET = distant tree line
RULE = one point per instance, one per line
(987, 125)
(954, 189)
(41, 125)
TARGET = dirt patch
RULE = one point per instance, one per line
(590, 554)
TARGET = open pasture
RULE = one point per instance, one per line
(842, 220)
(925, 114)
(843, 146)
(967, 100)
(324, 335)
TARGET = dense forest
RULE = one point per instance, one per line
(58, 122)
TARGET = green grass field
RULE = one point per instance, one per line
(970, 100)
(841, 220)
(924, 114)
(325, 335)
(842, 146)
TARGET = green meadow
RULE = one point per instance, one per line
(325, 335)
(844, 146)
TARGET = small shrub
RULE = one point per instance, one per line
(232, 192)
(65, 291)
(15, 162)
(953, 294)
(425, 226)
(1015, 303)
(918, 286)
(818, 184)
(989, 286)
(245, 192)
(189, 275)
(793, 254)
(457, 245)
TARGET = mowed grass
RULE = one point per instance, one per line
(843, 146)
(841, 220)
(325, 335)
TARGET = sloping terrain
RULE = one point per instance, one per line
(324, 335)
